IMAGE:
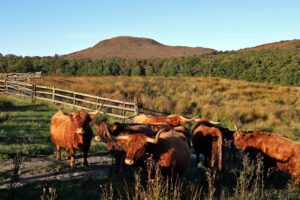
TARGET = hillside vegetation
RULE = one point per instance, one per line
(276, 63)
(250, 105)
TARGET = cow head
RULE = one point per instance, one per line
(238, 139)
(104, 131)
(82, 120)
(136, 146)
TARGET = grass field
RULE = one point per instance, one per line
(251, 106)
(24, 126)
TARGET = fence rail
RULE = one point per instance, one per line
(111, 107)
(2, 87)
(22, 76)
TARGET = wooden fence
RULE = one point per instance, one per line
(22, 76)
(114, 108)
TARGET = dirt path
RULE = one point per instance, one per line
(47, 168)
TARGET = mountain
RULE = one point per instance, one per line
(136, 47)
(285, 44)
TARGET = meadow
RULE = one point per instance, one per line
(24, 127)
(251, 106)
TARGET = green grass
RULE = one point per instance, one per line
(28, 128)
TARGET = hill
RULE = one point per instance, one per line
(285, 44)
(136, 47)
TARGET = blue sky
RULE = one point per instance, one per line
(46, 27)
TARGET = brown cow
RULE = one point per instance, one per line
(208, 140)
(174, 120)
(105, 131)
(168, 148)
(177, 121)
(279, 151)
(170, 152)
(72, 131)
(214, 142)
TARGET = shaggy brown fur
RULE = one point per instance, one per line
(171, 152)
(71, 131)
(174, 120)
(208, 141)
(282, 152)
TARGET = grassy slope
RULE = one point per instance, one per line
(251, 106)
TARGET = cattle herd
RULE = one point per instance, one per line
(169, 143)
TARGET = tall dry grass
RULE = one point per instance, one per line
(252, 106)
(248, 185)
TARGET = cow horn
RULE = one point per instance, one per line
(206, 120)
(155, 140)
(95, 112)
(237, 130)
(188, 120)
(158, 124)
(122, 137)
(108, 132)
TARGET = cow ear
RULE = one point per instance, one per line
(72, 117)
(96, 126)
(115, 126)
(92, 116)
(155, 128)
(237, 134)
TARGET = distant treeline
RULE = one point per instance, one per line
(280, 66)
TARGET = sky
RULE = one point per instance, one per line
(48, 27)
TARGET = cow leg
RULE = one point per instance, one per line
(206, 159)
(212, 160)
(72, 154)
(67, 153)
(85, 154)
(197, 158)
(58, 157)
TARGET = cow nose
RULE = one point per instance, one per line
(97, 138)
(128, 162)
(79, 130)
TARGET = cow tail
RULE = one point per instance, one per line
(220, 146)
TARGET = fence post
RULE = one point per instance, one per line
(33, 93)
(124, 111)
(19, 88)
(15, 86)
(5, 88)
(136, 106)
(74, 100)
(97, 105)
(53, 94)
